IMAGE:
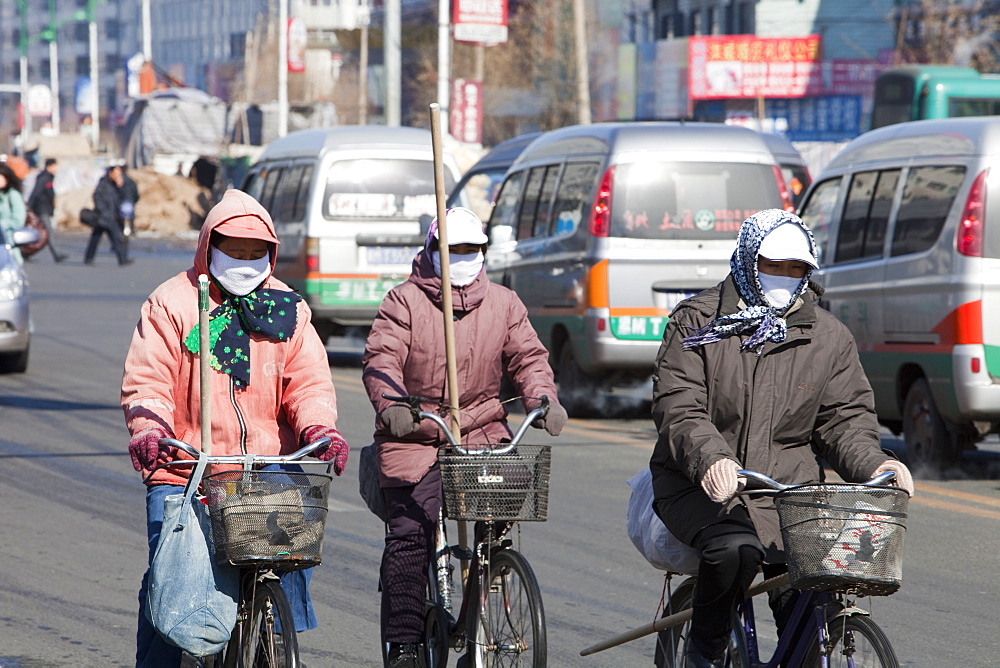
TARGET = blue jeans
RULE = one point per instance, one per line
(152, 651)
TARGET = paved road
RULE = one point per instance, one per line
(73, 545)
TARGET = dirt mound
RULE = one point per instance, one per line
(168, 204)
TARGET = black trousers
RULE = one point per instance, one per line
(731, 555)
(114, 236)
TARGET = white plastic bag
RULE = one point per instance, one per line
(650, 536)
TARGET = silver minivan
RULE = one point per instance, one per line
(602, 229)
(908, 225)
(346, 204)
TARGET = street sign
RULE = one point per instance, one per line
(481, 21)
(39, 100)
(466, 122)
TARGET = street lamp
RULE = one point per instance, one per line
(22, 48)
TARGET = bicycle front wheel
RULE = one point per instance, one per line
(507, 626)
(857, 642)
(264, 636)
(672, 643)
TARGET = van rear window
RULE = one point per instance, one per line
(689, 200)
(379, 188)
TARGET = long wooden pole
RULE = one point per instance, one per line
(446, 306)
(205, 367)
(675, 619)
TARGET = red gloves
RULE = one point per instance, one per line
(338, 449)
(144, 448)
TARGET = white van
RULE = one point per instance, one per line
(346, 203)
(602, 229)
(908, 226)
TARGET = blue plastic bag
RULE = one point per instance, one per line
(192, 599)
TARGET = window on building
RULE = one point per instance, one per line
(237, 45)
(81, 31)
(82, 65)
(695, 23)
(112, 29)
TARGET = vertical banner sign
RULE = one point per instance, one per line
(466, 121)
(480, 21)
(297, 40)
(745, 67)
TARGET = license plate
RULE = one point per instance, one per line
(390, 254)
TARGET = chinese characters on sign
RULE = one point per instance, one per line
(733, 67)
(466, 122)
(483, 21)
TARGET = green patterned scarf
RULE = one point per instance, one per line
(270, 313)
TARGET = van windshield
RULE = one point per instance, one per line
(689, 200)
(380, 188)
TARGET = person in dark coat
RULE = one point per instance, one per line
(107, 204)
(43, 202)
(752, 375)
(129, 198)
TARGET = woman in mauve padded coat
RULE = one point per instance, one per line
(405, 355)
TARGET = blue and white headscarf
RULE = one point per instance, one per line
(764, 321)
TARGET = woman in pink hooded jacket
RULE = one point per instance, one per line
(273, 391)
(405, 354)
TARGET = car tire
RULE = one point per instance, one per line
(15, 362)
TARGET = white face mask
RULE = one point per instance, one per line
(778, 290)
(239, 277)
(462, 269)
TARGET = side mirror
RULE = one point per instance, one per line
(24, 236)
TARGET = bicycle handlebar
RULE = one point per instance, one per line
(771, 485)
(248, 459)
(414, 404)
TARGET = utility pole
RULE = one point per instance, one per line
(95, 96)
(282, 68)
(22, 47)
(392, 44)
(444, 64)
(582, 67)
(54, 67)
(363, 66)
(147, 32)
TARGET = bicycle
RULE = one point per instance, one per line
(265, 521)
(501, 621)
(822, 526)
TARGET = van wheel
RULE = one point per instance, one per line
(928, 440)
(578, 392)
(15, 362)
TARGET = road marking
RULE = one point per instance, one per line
(958, 507)
(955, 494)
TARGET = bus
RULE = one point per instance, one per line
(917, 92)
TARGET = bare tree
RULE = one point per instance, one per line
(951, 32)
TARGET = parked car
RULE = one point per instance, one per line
(15, 319)
(346, 204)
(477, 189)
(602, 229)
(793, 166)
(907, 221)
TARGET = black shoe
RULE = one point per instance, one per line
(695, 659)
(406, 655)
(60, 258)
(126, 262)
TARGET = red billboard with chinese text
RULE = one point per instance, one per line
(743, 66)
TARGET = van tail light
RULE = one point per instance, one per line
(970, 229)
(312, 255)
(786, 197)
(600, 217)
(596, 295)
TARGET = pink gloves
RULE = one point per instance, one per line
(338, 449)
(144, 448)
(721, 482)
(903, 478)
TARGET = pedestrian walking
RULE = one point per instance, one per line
(271, 390)
(12, 208)
(751, 374)
(129, 198)
(107, 205)
(405, 354)
(43, 202)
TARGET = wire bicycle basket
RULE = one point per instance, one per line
(844, 537)
(269, 518)
(512, 486)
